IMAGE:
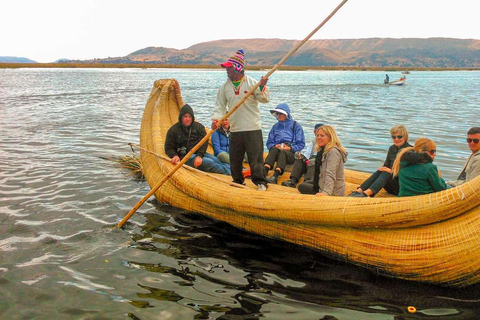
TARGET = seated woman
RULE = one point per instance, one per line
(221, 142)
(325, 174)
(416, 173)
(382, 178)
(285, 138)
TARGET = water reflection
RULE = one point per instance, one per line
(224, 273)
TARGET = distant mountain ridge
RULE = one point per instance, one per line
(8, 59)
(371, 52)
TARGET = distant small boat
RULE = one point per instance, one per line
(399, 82)
(406, 72)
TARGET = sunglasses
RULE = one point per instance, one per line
(397, 137)
(433, 151)
(472, 140)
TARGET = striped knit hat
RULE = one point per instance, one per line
(237, 61)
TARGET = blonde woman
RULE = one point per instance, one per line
(325, 174)
(382, 178)
(415, 169)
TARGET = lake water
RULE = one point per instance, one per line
(59, 198)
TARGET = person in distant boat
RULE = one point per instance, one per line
(416, 172)
(325, 174)
(221, 142)
(183, 136)
(387, 79)
(301, 160)
(285, 138)
(382, 178)
(246, 130)
(471, 169)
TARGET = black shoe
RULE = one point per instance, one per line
(273, 179)
(358, 194)
(289, 183)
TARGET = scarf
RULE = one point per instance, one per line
(318, 164)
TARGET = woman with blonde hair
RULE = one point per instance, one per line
(416, 172)
(383, 178)
(325, 174)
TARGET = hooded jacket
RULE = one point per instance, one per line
(288, 131)
(332, 176)
(220, 141)
(418, 175)
(181, 139)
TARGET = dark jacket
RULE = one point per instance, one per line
(392, 154)
(418, 175)
(181, 139)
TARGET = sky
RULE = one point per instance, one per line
(49, 30)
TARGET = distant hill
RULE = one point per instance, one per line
(5, 59)
(372, 52)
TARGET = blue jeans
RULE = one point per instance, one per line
(210, 163)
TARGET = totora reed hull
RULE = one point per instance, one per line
(432, 238)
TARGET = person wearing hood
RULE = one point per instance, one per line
(325, 174)
(285, 138)
(416, 172)
(186, 134)
(246, 130)
(221, 142)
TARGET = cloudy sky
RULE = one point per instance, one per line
(48, 30)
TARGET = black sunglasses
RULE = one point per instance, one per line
(472, 140)
(397, 137)
(433, 151)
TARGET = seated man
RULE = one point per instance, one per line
(186, 134)
(471, 169)
(301, 161)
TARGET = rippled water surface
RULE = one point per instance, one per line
(59, 198)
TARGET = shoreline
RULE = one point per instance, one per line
(171, 66)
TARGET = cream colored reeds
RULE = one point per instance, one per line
(432, 238)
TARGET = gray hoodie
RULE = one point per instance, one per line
(332, 177)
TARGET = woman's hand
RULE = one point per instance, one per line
(320, 194)
(385, 169)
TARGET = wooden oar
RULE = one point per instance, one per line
(232, 110)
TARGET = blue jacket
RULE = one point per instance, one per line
(283, 132)
(220, 142)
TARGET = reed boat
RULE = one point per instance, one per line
(432, 238)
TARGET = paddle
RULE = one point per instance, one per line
(232, 110)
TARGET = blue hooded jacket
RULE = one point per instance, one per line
(283, 132)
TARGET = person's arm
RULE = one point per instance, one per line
(170, 143)
(262, 94)
(437, 183)
(299, 142)
(217, 148)
(201, 133)
(220, 107)
(308, 153)
(330, 165)
(474, 170)
(271, 138)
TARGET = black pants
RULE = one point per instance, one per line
(281, 157)
(298, 170)
(250, 142)
(379, 180)
(306, 187)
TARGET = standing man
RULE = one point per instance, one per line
(245, 127)
(471, 169)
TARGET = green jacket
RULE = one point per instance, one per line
(418, 175)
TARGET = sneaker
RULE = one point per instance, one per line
(358, 194)
(289, 183)
(273, 179)
(262, 187)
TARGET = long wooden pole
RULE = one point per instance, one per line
(232, 110)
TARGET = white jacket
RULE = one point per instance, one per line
(247, 116)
